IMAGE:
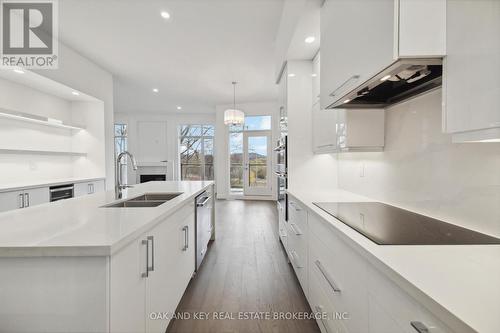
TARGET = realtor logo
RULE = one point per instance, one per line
(29, 33)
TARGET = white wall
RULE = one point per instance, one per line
(172, 120)
(422, 170)
(306, 170)
(83, 75)
(222, 142)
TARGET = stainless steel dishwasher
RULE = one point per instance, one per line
(203, 225)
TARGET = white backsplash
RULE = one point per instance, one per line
(420, 169)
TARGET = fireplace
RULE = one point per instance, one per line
(152, 177)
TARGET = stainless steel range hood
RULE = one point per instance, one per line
(404, 79)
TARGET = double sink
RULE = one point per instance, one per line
(145, 200)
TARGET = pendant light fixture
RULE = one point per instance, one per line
(234, 116)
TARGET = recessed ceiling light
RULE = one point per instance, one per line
(310, 39)
(347, 101)
(76, 93)
(155, 90)
(291, 75)
(314, 74)
(385, 78)
(18, 71)
(179, 108)
(165, 15)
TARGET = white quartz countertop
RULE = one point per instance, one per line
(453, 281)
(82, 227)
(44, 183)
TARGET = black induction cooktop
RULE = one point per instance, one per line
(389, 225)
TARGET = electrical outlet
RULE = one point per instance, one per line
(362, 169)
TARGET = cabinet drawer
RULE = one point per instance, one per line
(297, 216)
(392, 309)
(331, 320)
(283, 234)
(342, 274)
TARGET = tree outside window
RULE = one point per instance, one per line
(196, 147)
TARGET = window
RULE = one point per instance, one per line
(121, 146)
(252, 123)
(120, 138)
(196, 147)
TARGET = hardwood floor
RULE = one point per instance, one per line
(245, 270)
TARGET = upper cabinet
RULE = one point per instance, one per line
(324, 132)
(356, 42)
(471, 87)
(361, 38)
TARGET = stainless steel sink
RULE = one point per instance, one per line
(146, 200)
(138, 204)
(156, 196)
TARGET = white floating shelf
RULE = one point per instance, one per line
(152, 164)
(29, 118)
(40, 152)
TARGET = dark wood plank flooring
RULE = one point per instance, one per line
(245, 270)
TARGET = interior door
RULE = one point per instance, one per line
(257, 163)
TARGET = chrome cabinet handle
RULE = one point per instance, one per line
(294, 205)
(295, 229)
(419, 327)
(319, 308)
(146, 274)
(328, 279)
(201, 204)
(293, 254)
(185, 230)
(354, 77)
(26, 202)
(20, 201)
(152, 239)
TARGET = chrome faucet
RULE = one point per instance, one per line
(119, 187)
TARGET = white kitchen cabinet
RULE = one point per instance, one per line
(356, 42)
(316, 78)
(89, 188)
(341, 274)
(361, 38)
(297, 241)
(36, 196)
(360, 129)
(324, 131)
(174, 264)
(23, 199)
(151, 274)
(394, 310)
(128, 288)
(471, 87)
(11, 200)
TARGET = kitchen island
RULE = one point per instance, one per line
(79, 265)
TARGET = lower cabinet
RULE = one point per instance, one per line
(150, 275)
(24, 198)
(89, 188)
(341, 274)
(297, 232)
(345, 290)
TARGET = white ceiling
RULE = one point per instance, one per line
(191, 58)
